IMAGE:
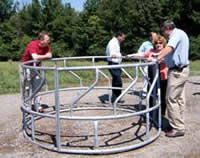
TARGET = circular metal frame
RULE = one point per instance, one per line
(34, 86)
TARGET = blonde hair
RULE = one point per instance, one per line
(161, 39)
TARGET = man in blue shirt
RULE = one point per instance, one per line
(176, 54)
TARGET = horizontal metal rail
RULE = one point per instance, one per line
(72, 111)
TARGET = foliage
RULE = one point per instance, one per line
(87, 33)
(195, 48)
(7, 9)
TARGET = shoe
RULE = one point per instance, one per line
(121, 101)
(40, 109)
(102, 100)
(174, 133)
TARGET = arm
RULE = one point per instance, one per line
(167, 50)
(136, 55)
(41, 57)
(115, 55)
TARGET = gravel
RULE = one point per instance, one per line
(14, 145)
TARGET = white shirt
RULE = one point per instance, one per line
(113, 48)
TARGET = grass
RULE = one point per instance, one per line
(9, 75)
(194, 68)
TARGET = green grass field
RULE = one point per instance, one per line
(9, 75)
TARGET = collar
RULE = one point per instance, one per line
(173, 32)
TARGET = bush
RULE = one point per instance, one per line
(195, 48)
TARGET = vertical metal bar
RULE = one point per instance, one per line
(159, 112)
(32, 127)
(159, 102)
(147, 124)
(148, 99)
(93, 61)
(84, 93)
(124, 92)
(21, 77)
(56, 85)
(96, 141)
(46, 85)
(23, 120)
(64, 62)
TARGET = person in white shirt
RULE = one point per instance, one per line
(114, 58)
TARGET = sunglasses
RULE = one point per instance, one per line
(158, 43)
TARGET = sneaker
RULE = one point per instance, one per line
(121, 101)
(40, 109)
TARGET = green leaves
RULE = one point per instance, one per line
(88, 32)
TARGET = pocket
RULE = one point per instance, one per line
(176, 74)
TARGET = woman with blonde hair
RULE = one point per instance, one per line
(158, 45)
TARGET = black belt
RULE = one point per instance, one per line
(177, 68)
(112, 63)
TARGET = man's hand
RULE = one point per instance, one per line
(41, 57)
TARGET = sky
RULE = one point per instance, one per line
(77, 4)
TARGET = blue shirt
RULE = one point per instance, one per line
(179, 41)
(146, 46)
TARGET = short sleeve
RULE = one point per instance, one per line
(33, 49)
(147, 53)
(173, 42)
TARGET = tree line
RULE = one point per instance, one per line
(86, 33)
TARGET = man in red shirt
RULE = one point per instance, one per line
(38, 49)
(33, 80)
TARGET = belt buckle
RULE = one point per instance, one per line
(179, 68)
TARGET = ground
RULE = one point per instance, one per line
(13, 143)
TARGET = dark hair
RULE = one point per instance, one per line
(168, 24)
(119, 33)
(42, 34)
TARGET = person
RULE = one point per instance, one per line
(114, 58)
(146, 46)
(158, 45)
(176, 54)
(36, 50)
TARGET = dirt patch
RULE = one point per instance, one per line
(13, 143)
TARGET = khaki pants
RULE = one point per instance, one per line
(175, 97)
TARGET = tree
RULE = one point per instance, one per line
(88, 32)
(8, 8)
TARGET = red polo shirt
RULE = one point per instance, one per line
(34, 48)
